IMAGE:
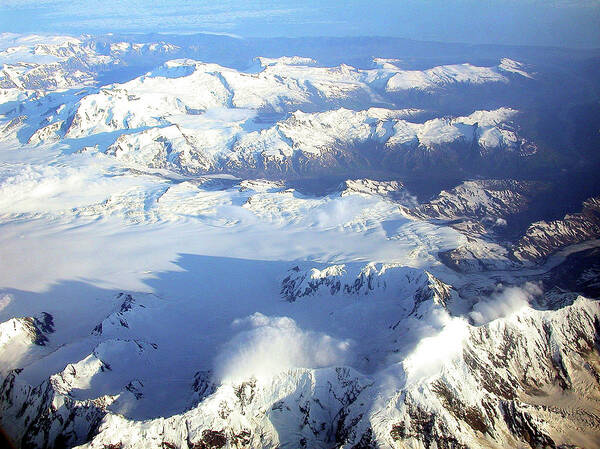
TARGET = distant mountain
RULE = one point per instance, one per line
(286, 119)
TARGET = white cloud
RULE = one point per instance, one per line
(504, 302)
(5, 300)
(432, 353)
(266, 346)
(138, 14)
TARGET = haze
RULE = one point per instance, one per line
(563, 23)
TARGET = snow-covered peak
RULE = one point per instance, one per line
(51, 63)
(175, 68)
(410, 286)
(128, 317)
(370, 187)
(438, 77)
(261, 185)
(197, 117)
(441, 391)
(13, 39)
(387, 63)
(286, 60)
(122, 48)
(106, 371)
(509, 65)
(488, 118)
(11, 42)
(285, 313)
(199, 132)
(22, 339)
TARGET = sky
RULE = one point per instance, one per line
(563, 23)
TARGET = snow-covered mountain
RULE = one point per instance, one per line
(526, 379)
(284, 253)
(483, 200)
(287, 116)
(480, 208)
(543, 238)
(437, 78)
(49, 63)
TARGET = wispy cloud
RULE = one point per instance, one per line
(137, 14)
(530, 22)
(266, 346)
(504, 302)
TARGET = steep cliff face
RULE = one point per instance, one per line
(528, 380)
(478, 209)
(580, 272)
(39, 417)
(23, 339)
(65, 410)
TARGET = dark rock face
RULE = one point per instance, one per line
(511, 367)
(45, 323)
(120, 315)
(202, 386)
(40, 327)
(471, 415)
(494, 393)
(45, 419)
(211, 439)
(580, 272)
(116, 446)
(128, 302)
(479, 209)
(424, 427)
(135, 387)
(434, 291)
(293, 288)
(521, 423)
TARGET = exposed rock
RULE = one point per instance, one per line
(544, 238)
(483, 200)
(409, 285)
